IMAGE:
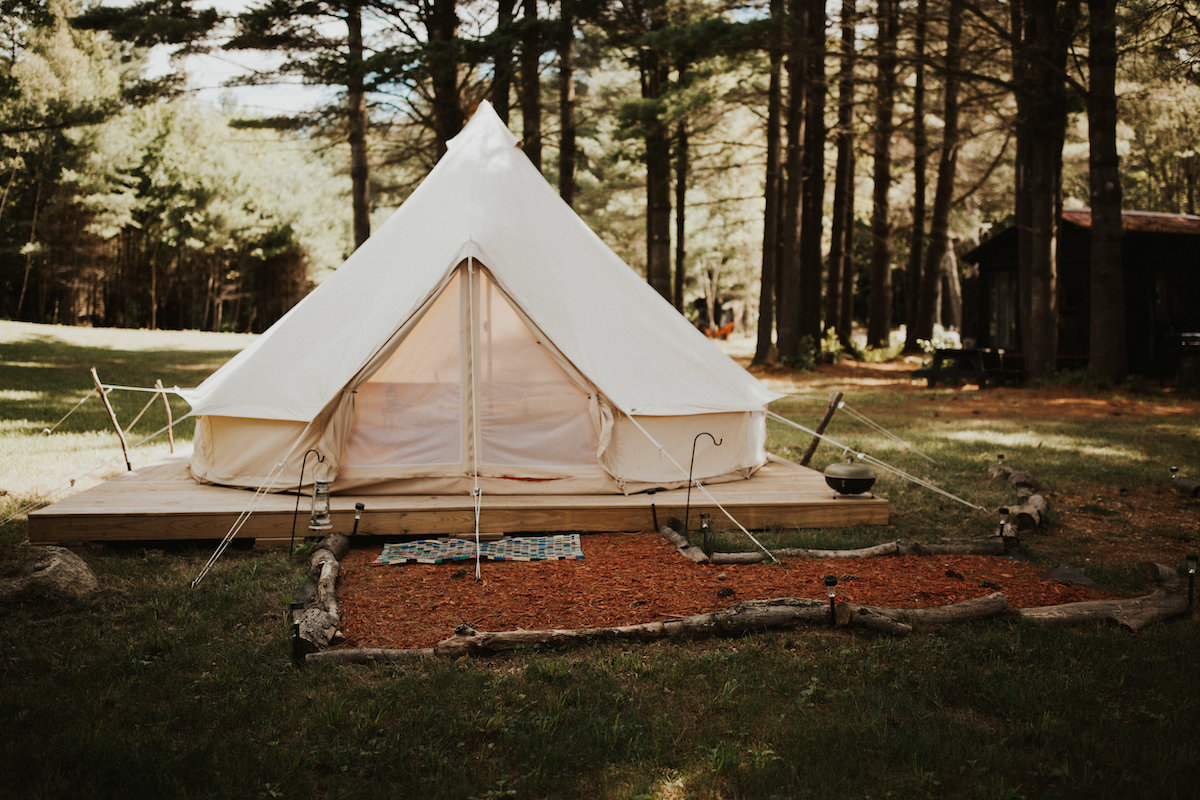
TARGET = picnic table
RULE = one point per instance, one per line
(979, 365)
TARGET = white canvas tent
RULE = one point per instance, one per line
(483, 336)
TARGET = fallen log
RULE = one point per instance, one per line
(367, 655)
(903, 620)
(318, 625)
(1132, 613)
(326, 568)
(867, 617)
(336, 543)
(983, 546)
(1030, 513)
(683, 545)
(1017, 478)
(316, 629)
(1188, 487)
(754, 615)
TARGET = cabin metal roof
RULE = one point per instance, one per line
(1141, 221)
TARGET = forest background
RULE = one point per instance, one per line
(806, 166)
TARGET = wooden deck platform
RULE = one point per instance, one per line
(161, 502)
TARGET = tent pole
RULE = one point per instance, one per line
(112, 417)
(476, 492)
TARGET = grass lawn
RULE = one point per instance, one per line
(158, 690)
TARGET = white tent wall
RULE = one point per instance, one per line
(483, 317)
(635, 455)
(472, 389)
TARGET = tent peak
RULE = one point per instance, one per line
(485, 128)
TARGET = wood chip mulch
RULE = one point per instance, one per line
(633, 578)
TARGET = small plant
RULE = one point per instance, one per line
(831, 346)
(942, 340)
(806, 356)
(306, 547)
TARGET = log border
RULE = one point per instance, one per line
(316, 626)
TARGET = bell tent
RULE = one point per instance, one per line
(484, 337)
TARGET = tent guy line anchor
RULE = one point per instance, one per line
(841, 405)
(267, 484)
(880, 429)
(875, 461)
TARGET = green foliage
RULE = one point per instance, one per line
(156, 215)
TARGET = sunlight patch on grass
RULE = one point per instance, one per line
(123, 338)
(28, 364)
(1031, 439)
(17, 394)
(49, 466)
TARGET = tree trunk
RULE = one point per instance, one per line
(504, 73)
(788, 285)
(939, 232)
(367, 655)
(912, 275)
(843, 174)
(764, 351)
(356, 113)
(681, 178)
(658, 178)
(812, 211)
(37, 196)
(531, 85)
(879, 322)
(12, 175)
(442, 27)
(1108, 360)
(849, 263)
(1042, 33)
(567, 151)
(951, 301)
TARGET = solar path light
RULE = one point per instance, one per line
(1191, 564)
(831, 588)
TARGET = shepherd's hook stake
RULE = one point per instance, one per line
(296, 510)
(688, 507)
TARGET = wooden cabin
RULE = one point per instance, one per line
(1161, 259)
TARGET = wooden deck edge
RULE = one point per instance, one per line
(49, 528)
(160, 503)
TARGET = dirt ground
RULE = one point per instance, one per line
(633, 578)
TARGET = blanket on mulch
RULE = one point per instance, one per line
(510, 548)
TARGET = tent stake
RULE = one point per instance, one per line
(112, 416)
(829, 412)
(167, 405)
